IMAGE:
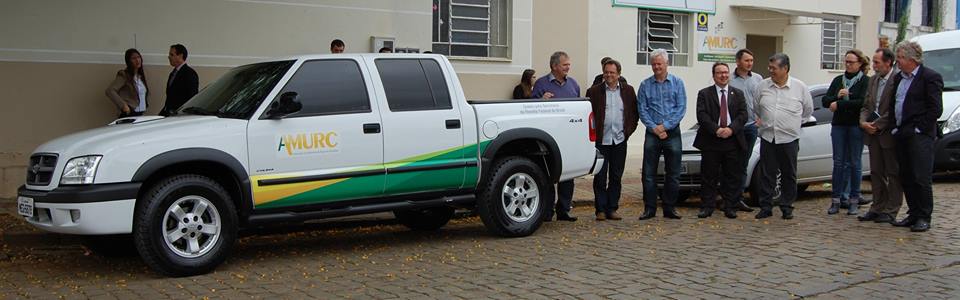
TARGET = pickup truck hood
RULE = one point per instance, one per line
(951, 100)
(143, 130)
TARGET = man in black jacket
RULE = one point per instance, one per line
(918, 103)
(183, 82)
(721, 115)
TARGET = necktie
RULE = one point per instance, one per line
(723, 108)
(173, 74)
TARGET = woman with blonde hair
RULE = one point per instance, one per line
(845, 98)
(128, 91)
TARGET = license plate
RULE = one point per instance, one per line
(25, 206)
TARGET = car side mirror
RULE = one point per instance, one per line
(809, 122)
(285, 106)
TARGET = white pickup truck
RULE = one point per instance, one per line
(308, 138)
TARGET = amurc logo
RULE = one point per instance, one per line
(308, 143)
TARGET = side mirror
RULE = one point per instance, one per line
(809, 122)
(286, 105)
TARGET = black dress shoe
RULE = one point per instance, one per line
(744, 207)
(648, 214)
(787, 214)
(566, 217)
(906, 222)
(920, 226)
(764, 213)
(883, 218)
(730, 213)
(705, 213)
(671, 214)
(869, 216)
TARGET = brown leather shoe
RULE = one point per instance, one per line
(614, 216)
(601, 217)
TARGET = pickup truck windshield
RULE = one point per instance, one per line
(947, 63)
(239, 92)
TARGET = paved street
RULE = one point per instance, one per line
(814, 255)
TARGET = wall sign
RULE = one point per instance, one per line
(702, 21)
(719, 46)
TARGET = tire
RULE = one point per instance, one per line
(110, 245)
(427, 219)
(210, 220)
(519, 212)
(754, 190)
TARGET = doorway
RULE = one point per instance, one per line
(763, 47)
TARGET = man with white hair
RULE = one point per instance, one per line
(662, 102)
(917, 104)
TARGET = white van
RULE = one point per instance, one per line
(941, 52)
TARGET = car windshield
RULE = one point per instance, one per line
(239, 92)
(947, 63)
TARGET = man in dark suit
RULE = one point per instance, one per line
(615, 113)
(918, 103)
(721, 115)
(876, 121)
(182, 83)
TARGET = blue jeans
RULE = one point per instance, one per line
(671, 149)
(847, 166)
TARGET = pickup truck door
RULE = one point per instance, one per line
(331, 150)
(422, 127)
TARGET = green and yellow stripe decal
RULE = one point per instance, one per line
(383, 183)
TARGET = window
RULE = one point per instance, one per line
(823, 115)
(474, 28)
(414, 84)
(838, 37)
(327, 87)
(929, 10)
(663, 30)
(892, 10)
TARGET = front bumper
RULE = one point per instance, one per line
(947, 155)
(88, 210)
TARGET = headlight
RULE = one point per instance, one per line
(953, 123)
(81, 170)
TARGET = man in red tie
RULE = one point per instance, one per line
(721, 115)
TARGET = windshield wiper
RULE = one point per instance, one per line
(194, 110)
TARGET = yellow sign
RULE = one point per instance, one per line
(702, 21)
(303, 143)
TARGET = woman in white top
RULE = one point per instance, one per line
(128, 91)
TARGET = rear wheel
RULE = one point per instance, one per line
(512, 202)
(185, 225)
(425, 219)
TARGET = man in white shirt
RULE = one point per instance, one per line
(782, 105)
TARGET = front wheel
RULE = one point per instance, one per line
(512, 202)
(185, 225)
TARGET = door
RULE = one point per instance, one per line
(815, 159)
(763, 47)
(331, 150)
(422, 127)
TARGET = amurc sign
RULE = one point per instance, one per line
(719, 47)
(704, 6)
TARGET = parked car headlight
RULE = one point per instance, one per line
(81, 170)
(953, 123)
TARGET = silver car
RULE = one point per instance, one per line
(814, 162)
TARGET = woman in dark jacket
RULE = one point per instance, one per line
(845, 98)
(525, 88)
(128, 91)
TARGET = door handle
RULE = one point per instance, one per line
(371, 128)
(453, 124)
